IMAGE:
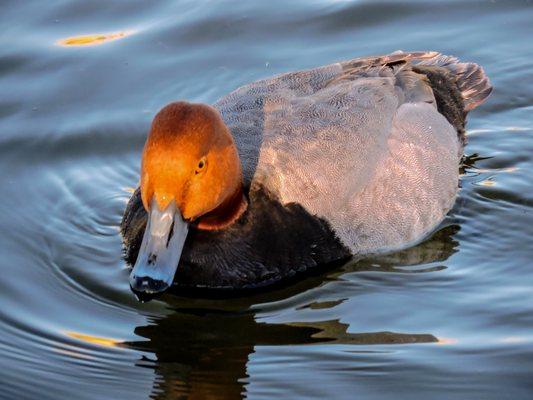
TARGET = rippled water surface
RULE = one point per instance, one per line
(449, 318)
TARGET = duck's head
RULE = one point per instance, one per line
(191, 177)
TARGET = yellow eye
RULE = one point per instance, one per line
(201, 165)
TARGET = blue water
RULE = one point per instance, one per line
(449, 318)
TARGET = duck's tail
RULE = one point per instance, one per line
(458, 87)
(470, 78)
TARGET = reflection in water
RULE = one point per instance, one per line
(101, 341)
(94, 39)
(438, 248)
(203, 352)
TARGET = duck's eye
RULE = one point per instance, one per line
(201, 166)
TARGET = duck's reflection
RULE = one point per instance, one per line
(203, 352)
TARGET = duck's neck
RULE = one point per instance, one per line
(225, 214)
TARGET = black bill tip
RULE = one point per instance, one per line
(146, 288)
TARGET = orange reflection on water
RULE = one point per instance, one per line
(93, 40)
(107, 342)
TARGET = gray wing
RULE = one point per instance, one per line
(322, 138)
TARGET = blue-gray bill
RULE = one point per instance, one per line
(160, 252)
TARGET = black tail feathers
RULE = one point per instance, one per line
(471, 80)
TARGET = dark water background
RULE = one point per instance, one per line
(450, 318)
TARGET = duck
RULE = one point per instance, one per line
(300, 171)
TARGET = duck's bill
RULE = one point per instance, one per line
(160, 252)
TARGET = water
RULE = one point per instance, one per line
(450, 318)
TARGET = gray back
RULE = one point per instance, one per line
(356, 143)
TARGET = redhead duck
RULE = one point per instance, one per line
(300, 170)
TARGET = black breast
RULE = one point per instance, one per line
(269, 243)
